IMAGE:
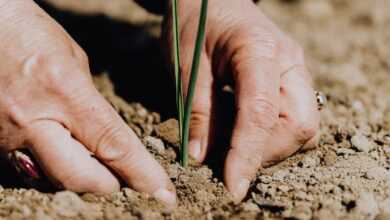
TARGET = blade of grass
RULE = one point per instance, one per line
(194, 75)
(176, 51)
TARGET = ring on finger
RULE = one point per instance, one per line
(321, 100)
(24, 165)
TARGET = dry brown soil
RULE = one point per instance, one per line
(347, 44)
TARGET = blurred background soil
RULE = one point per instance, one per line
(347, 45)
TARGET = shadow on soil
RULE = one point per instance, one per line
(129, 54)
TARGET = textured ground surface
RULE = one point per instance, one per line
(348, 177)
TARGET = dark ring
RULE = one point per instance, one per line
(24, 165)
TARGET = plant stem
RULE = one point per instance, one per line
(193, 78)
(178, 81)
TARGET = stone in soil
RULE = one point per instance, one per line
(68, 204)
(367, 206)
(361, 143)
(168, 131)
(378, 173)
(155, 144)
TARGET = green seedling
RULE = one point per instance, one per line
(184, 107)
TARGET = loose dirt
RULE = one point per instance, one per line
(347, 47)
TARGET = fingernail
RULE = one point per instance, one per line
(165, 196)
(241, 190)
(194, 146)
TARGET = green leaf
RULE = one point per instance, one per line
(193, 78)
(176, 54)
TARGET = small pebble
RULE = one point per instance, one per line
(358, 106)
(155, 143)
(130, 194)
(309, 161)
(284, 188)
(300, 195)
(367, 206)
(205, 172)
(345, 152)
(250, 207)
(378, 173)
(265, 179)
(374, 155)
(386, 139)
(169, 131)
(173, 171)
(141, 111)
(280, 175)
(361, 143)
(68, 204)
(24, 211)
(156, 117)
(149, 119)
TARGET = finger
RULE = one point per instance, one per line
(299, 117)
(300, 107)
(100, 128)
(66, 161)
(257, 97)
(201, 115)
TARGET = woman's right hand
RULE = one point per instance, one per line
(49, 105)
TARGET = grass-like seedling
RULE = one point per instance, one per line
(184, 107)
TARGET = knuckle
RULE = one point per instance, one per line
(53, 75)
(114, 154)
(264, 43)
(107, 147)
(261, 112)
(266, 46)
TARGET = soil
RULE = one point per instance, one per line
(347, 46)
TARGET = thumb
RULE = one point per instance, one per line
(202, 112)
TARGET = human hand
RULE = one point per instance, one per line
(276, 110)
(49, 105)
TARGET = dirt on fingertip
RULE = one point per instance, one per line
(347, 46)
